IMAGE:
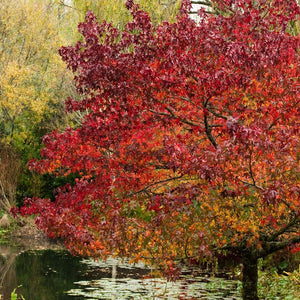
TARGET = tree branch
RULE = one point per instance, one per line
(173, 116)
(207, 3)
(216, 114)
(250, 169)
(69, 6)
(155, 183)
(271, 247)
(283, 230)
(208, 128)
(4, 202)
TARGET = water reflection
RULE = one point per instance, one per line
(7, 270)
(56, 275)
(127, 282)
(44, 275)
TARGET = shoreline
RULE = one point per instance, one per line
(29, 237)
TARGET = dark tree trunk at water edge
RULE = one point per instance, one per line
(250, 277)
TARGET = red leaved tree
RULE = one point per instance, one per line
(190, 143)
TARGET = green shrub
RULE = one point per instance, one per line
(15, 296)
(273, 286)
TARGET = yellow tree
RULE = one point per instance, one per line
(31, 74)
(34, 82)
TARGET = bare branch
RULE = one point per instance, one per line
(206, 3)
(69, 6)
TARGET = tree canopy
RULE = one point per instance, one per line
(190, 144)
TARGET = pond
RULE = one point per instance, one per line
(56, 275)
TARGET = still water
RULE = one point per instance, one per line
(56, 275)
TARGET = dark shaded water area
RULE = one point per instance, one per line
(56, 275)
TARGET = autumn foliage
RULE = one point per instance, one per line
(190, 141)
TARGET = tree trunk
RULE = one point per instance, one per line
(250, 277)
